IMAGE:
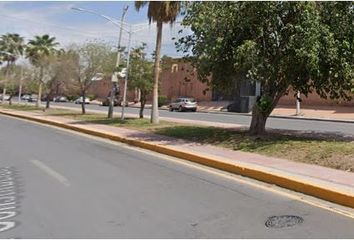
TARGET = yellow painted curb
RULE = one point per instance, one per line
(308, 188)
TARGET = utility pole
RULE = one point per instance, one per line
(126, 75)
(115, 78)
(20, 87)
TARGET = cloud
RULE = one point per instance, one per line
(41, 20)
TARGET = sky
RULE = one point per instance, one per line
(30, 18)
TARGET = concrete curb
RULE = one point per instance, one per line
(332, 195)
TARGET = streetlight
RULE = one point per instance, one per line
(130, 32)
(114, 78)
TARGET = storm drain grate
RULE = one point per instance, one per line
(283, 221)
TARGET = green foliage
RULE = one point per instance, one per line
(11, 43)
(162, 100)
(264, 104)
(140, 71)
(305, 45)
(88, 60)
(39, 48)
(91, 96)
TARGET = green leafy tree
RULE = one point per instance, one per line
(11, 48)
(304, 45)
(90, 60)
(141, 75)
(159, 12)
(60, 73)
(38, 51)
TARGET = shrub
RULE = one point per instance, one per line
(162, 101)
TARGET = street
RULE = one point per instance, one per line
(275, 123)
(59, 184)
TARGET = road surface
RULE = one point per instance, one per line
(275, 123)
(58, 184)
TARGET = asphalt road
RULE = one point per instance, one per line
(58, 184)
(275, 123)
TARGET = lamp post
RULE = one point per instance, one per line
(130, 32)
(115, 82)
(115, 85)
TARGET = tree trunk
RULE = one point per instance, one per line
(40, 87)
(49, 96)
(155, 91)
(3, 95)
(47, 105)
(258, 122)
(38, 103)
(10, 99)
(142, 104)
(83, 109)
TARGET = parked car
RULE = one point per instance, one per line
(183, 104)
(6, 97)
(108, 99)
(44, 98)
(33, 98)
(60, 99)
(80, 100)
(25, 97)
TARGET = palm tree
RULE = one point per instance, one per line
(37, 51)
(13, 45)
(160, 12)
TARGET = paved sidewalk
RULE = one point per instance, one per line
(310, 175)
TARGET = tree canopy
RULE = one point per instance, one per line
(308, 46)
(141, 75)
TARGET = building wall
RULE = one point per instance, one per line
(313, 99)
(180, 79)
(100, 88)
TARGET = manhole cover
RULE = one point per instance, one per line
(283, 221)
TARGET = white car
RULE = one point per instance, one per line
(6, 97)
(183, 104)
(80, 100)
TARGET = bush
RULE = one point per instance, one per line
(91, 96)
(162, 101)
(72, 97)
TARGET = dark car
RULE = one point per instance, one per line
(107, 100)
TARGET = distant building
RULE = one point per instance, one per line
(178, 78)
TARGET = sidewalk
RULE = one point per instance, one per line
(338, 113)
(329, 184)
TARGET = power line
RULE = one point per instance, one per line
(91, 34)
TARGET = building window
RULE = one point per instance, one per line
(174, 68)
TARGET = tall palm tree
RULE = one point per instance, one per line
(13, 45)
(160, 12)
(37, 51)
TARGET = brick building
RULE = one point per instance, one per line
(179, 78)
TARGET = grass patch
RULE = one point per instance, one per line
(21, 107)
(329, 153)
(132, 123)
